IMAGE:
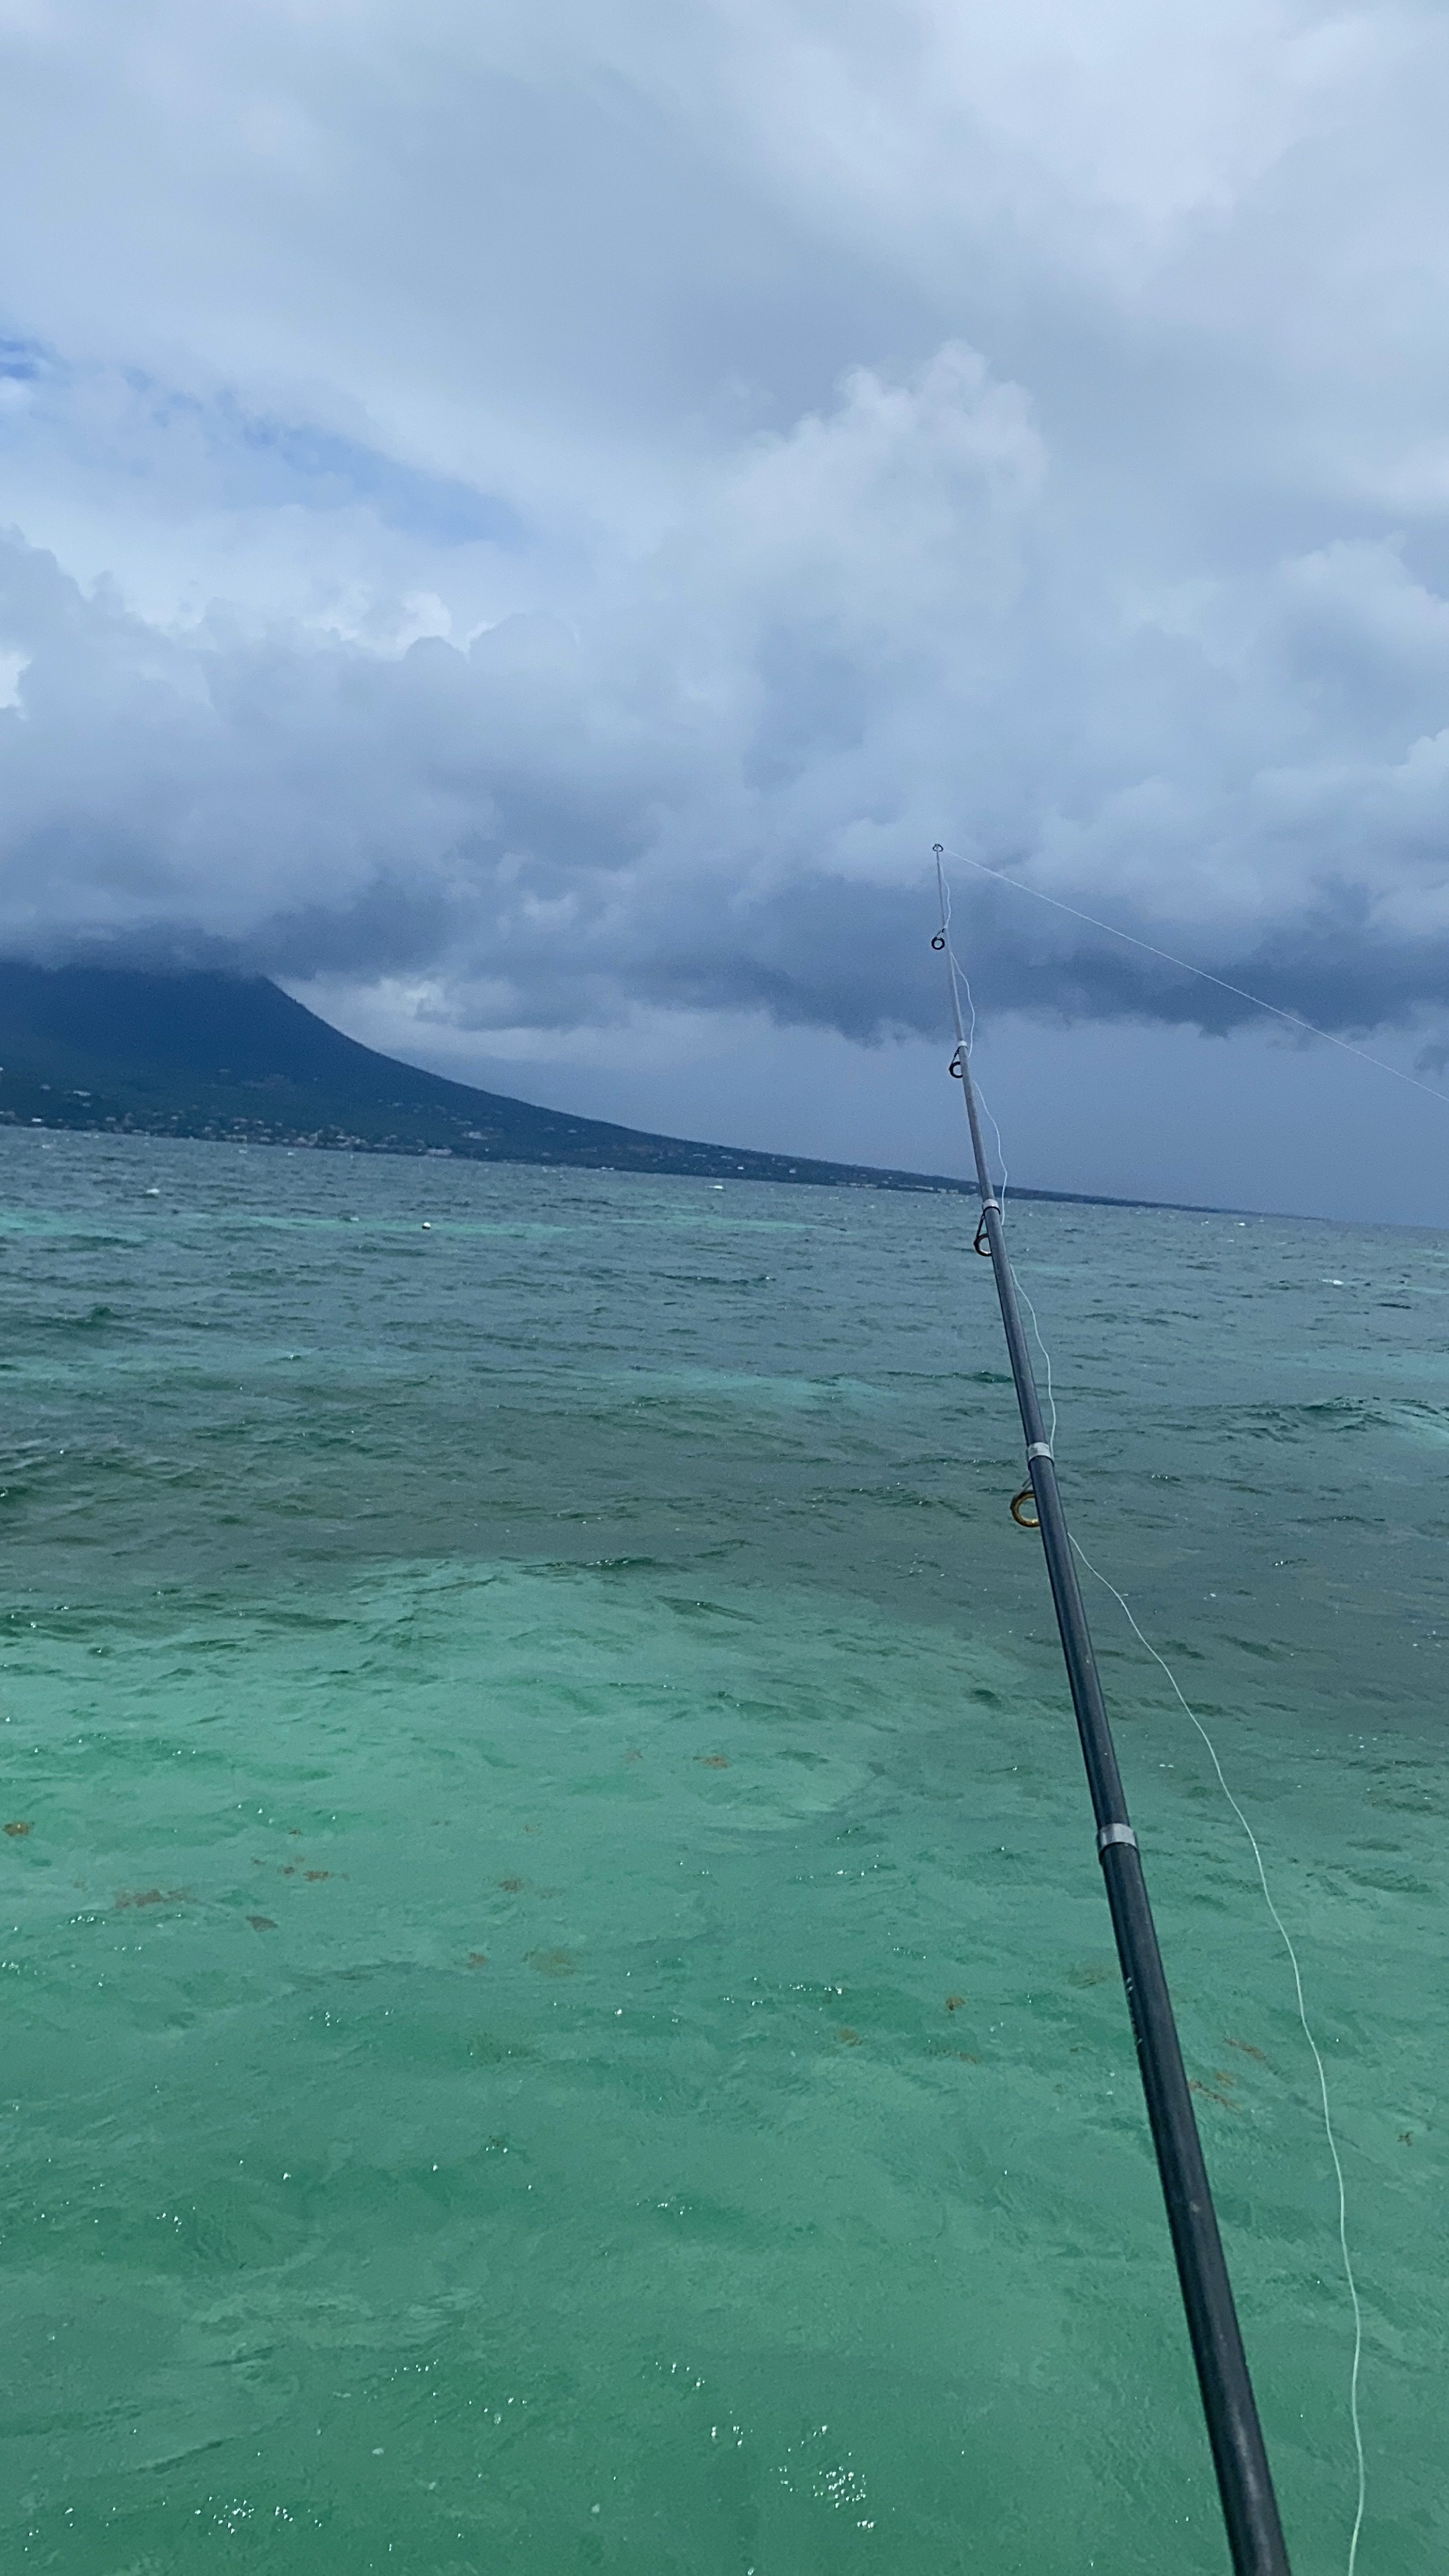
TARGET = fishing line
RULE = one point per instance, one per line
(1283, 1934)
(1310, 1029)
(1240, 2460)
(958, 980)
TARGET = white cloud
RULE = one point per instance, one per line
(835, 429)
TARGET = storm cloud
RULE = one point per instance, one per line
(568, 509)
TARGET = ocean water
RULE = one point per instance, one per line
(559, 2008)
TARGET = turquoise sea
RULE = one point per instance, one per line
(560, 2012)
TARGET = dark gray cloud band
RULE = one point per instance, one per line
(720, 792)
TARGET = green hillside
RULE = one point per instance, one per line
(234, 1057)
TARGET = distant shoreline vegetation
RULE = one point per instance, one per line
(232, 1059)
(28, 1102)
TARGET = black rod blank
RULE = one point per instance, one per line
(1245, 2482)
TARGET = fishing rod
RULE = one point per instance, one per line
(1245, 2481)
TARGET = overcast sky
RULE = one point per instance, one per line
(527, 521)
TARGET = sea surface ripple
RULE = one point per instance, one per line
(561, 2014)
